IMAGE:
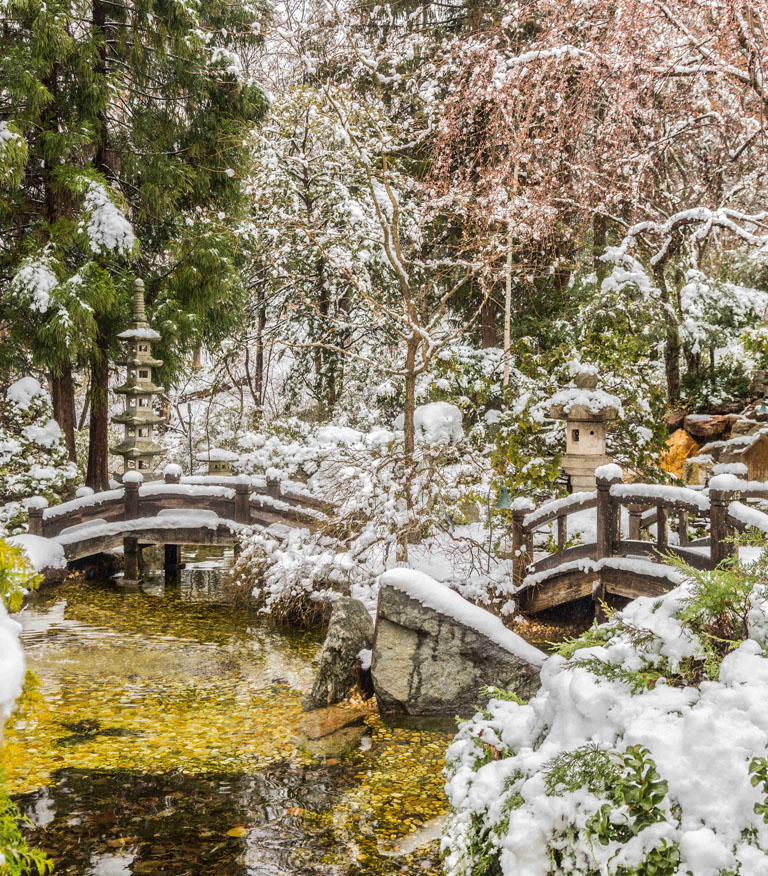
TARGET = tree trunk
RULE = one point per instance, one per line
(63, 394)
(409, 404)
(488, 334)
(97, 476)
(672, 345)
(599, 242)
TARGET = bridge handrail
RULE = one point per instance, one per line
(550, 511)
(720, 503)
(232, 497)
(661, 496)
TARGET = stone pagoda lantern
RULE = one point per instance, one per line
(138, 447)
(586, 410)
(219, 461)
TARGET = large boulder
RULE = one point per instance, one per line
(704, 427)
(350, 631)
(434, 652)
(680, 445)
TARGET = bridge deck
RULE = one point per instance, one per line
(87, 539)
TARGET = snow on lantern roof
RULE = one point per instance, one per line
(216, 454)
(585, 400)
(139, 334)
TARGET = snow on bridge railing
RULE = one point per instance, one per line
(742, 516)
(550, 511)
(663, 495)
(231, 496)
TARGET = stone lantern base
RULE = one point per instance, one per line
(580, 468)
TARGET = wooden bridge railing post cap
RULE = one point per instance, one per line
(132, 479)
(172, 473)
(242, 483)
(605, 483)
(36, 504)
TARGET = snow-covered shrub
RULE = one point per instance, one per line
(16, 576)
(33, 456)
(645, 751)
(385, 509)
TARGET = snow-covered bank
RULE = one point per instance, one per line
(11, 665)
(646, 747)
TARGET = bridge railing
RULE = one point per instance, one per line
(231, 498)
(622, 560)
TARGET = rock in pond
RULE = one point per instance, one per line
(333, 731)
(350, 631)
(434, 652)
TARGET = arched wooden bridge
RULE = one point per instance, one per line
(631, 564)
(204, 509)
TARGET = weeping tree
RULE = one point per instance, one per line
(122, 145)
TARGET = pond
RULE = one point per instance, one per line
(163, 736)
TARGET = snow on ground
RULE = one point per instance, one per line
(551, 787)
(11, 665)
(43, 553)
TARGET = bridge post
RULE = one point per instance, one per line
(719, 530)
(521, 555)
(172, 561)
(662, 521)
(131, 560)
(635, 518)
(243, 499)
(131, 482)
(35, 506)
(607, 534)
(682, 528)
(172, 473)
(273, 487)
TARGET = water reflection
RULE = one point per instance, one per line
(163, 739)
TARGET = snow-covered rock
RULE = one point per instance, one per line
(434, 652)
(43, 553)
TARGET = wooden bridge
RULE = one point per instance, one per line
(623, 562)
(204, 509)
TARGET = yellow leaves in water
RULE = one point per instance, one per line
(150, 685)
(176, 726)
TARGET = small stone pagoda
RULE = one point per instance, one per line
(138, 447)
(586, 410)
(219, 461)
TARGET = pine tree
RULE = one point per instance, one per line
(127, 124)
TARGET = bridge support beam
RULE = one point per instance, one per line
(172, 564)
(131, 560)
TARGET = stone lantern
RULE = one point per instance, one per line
(586, 410)
(139, 419)
(219, 461)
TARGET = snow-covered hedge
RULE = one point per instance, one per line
(644, 752)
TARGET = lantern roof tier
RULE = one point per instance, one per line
(139, 333)
(133, 448)
(138, 387)
(139, 417)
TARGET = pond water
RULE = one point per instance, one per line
(162, 737)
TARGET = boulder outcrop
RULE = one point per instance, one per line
(434, 652)
(350, 631)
